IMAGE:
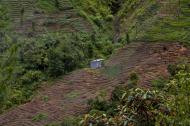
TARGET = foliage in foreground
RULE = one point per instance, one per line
(136, 107)
(166, 105)
(177, 91)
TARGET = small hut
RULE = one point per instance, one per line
(98, 63)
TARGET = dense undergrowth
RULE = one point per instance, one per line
(4, 18)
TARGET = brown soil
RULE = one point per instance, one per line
(68, 96)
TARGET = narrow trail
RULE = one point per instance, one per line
(68, 96)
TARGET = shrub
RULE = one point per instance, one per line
(117, 93)
(172, 69)
(159, 83)
(136, 107)
(39, 117)
(109, 18)
(4, 17)
(97, 20)
(179, 97)
(133, 80)
(55, 64)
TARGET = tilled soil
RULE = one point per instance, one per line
(68, 96)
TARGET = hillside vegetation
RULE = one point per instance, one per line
(167, 104)
(41, 40)
(47, 40)
(156, 20)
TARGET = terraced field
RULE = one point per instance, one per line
(18, 9)
(68, 96)
(148, 60)
(29, 21)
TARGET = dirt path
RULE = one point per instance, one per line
(68, 96)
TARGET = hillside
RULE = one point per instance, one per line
(46, 47)
(68, 96)
(43, 39)
(143, 20)
(30, 17)
(157, 20)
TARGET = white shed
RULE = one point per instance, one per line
(98, 63)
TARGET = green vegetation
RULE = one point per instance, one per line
(47, 6)
(27, 59)
(112, 71)
(97, 11)
(4, 18)
(159, 83)
(163, 106)
(179, 97)
(157, 21)
(72, 95)
(45, 98)
(134, 107)
(27, 62)
(39, 117)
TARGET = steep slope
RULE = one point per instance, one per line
(43, 26)
(156, 20)
(142, 20)
(68, 96)
(148, 60)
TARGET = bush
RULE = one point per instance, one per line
(179, 97)
(159, 83)
(172, 69)
(135, 107)
(4, 18)
(31, 77)
(133, 80)
(117, 93)
(55, 65)
(109, 18)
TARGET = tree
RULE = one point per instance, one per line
(57, 4)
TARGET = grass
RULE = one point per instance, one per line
(102, 93)
(69, 121)
(46, 6)
(159, 83)
(112, 71)
(72, 94)
(45, 98)
(145, 24)
(39, 117)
